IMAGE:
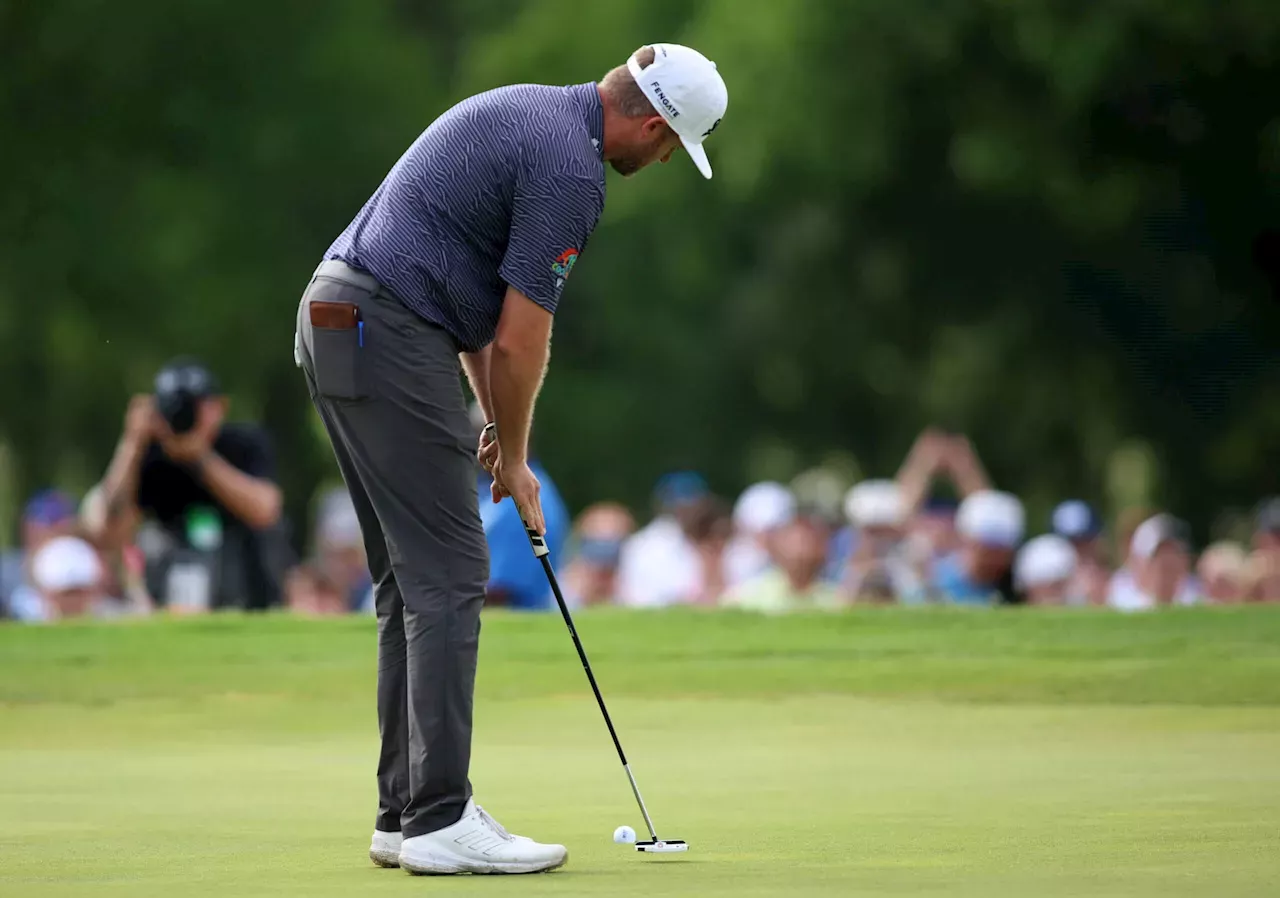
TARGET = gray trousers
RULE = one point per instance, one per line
(387, 385)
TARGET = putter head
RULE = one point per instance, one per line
(663, 846)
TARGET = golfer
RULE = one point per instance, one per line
(462, 253)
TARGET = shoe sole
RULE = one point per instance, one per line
(385, 858)
(447, 868)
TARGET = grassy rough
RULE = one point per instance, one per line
(888, 752)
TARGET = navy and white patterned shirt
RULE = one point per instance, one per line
(504, 188)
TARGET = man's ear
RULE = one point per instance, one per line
(652, 124)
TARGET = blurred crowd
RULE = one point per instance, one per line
(793, 547)
(188, 519)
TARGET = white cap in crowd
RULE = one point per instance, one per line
(1222, 559)
(992, 518)
(1154, 532)
(875, 503)
(685, 88)
(64, 563)
(1044, 560)
(337, 523)
(764, 506)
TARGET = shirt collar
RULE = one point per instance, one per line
(588, 98)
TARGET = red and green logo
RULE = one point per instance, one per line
(564, 263)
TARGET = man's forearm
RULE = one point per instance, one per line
(119, 491)
(514, 379)
(477, 366)
(253, 500)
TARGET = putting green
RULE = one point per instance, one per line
(895, 752)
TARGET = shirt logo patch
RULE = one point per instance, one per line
(564, 263)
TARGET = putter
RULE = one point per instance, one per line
(655, 845)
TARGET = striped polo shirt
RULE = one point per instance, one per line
(502, 189)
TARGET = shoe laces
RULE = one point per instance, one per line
(494, 824)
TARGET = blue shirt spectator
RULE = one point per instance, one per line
(840, 549)
(952, 581)
(516, 579)
(990, 525)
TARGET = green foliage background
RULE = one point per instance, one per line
(1043, 223)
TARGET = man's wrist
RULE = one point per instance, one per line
(200, 464)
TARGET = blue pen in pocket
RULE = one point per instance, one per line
(360, 333)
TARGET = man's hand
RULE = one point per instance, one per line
(140, 420)
(487, 453)
(196, 443)
(518, 481)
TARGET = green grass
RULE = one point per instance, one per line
(879, 753)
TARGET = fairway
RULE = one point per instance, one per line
(891, 752)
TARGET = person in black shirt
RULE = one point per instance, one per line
(208, 485)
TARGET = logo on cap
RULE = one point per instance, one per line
(714, 125)
(662, 98)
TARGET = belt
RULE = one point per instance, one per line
(341, 271)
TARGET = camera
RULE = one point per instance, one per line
(179, 387)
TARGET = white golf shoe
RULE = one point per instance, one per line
(478, 844)
(385, 848)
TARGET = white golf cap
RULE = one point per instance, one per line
(685, 88)
(64, 563)
(991, 518)
(1043, 561)
(875, 503)
(337, 524)
(1154, 532)
(764, 506)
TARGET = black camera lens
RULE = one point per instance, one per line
(180, 386)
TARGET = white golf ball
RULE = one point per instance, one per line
(624, 835)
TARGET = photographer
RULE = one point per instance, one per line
(209, 489)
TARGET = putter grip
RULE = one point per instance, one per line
(539, 544)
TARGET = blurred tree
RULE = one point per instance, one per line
(1044, 224)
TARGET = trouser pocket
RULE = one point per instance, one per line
(337, 349)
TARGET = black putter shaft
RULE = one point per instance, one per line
(543, 554)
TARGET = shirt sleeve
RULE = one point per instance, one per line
(551, 219)
(248, 449)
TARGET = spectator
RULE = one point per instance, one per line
(516, 579)
(47, 515)
(931, 532)
(937, 455)
(208, 485)
(339, 550)
(660, 565)
(878, 568)
(819, 495)
(990, 525)
(1223, 573)
(591, 576)
(1044, 570)
(1264, 563)
(69, 578)
(794, 584)
(1158, 572)
(759, 515)
(126, 566)
(310, 592)
(710, 530)
(1077, 522)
